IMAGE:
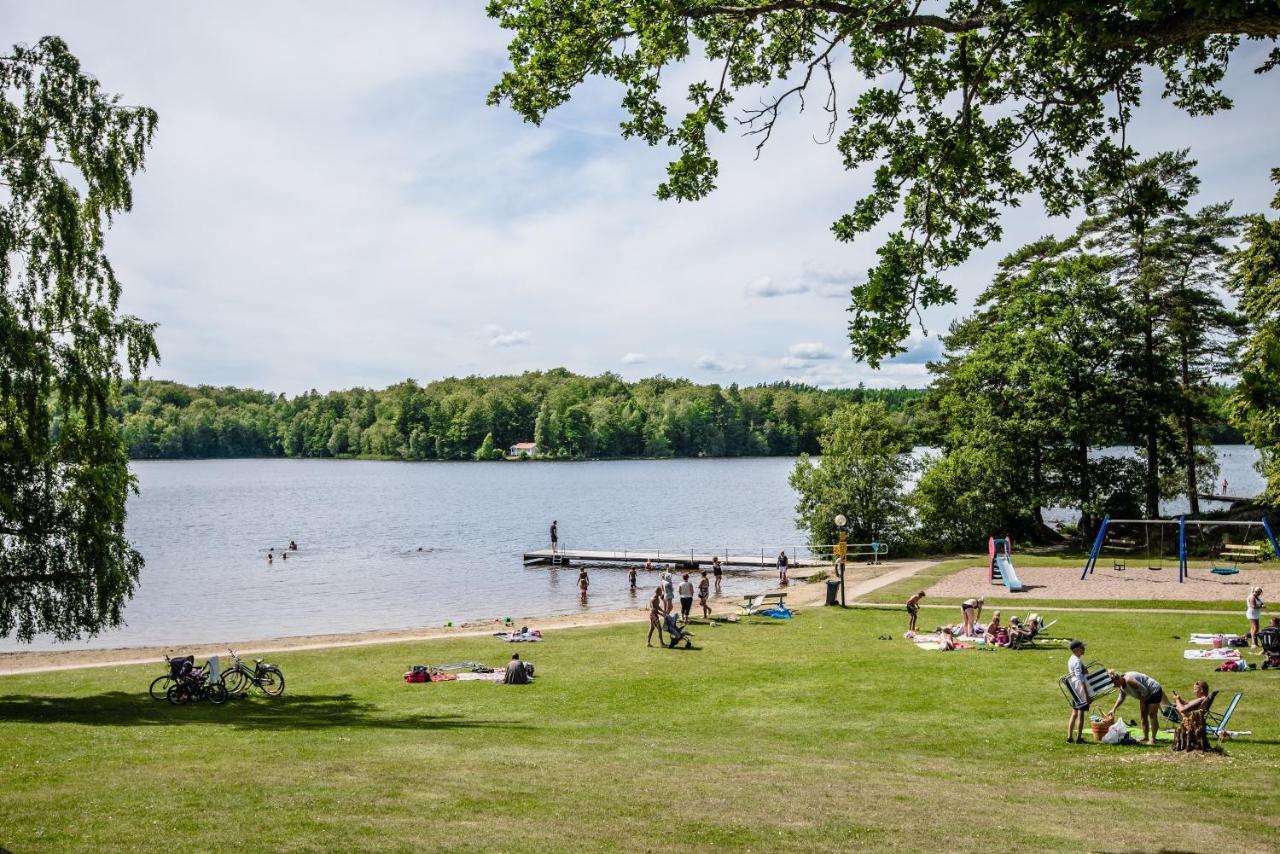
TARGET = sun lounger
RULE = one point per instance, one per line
(761, 601)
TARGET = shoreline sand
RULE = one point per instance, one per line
(859, 581)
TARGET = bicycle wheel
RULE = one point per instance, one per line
(177, 695)
(271, 682)
(160, 687)
(235, 682)
(217, 693)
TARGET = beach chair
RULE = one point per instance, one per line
(759, 602)
(1095, 676)
(1217, 725)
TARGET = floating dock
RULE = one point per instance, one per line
(686, 558)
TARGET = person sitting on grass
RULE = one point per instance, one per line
(913, 609)
(996, 633)
(1149, 695)
(517, 673)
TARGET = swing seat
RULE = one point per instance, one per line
(1225, 570)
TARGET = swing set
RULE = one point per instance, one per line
(1182, 522)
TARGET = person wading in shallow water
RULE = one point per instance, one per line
(717, 571)
(583, 584)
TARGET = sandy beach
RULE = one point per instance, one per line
(859, 580)
(1136, 582)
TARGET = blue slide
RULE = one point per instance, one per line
(1007, 574)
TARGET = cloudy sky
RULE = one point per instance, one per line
(330, 203)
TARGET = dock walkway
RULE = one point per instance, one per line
(686, 557)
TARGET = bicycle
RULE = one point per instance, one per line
(160, 686)
(267, 678)
(193, 684)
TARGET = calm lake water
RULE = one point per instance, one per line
(204, 528)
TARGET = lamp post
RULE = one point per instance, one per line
(841, 552)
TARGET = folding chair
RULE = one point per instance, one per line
(1215, 725)
(1170, 712)
(1095, 676)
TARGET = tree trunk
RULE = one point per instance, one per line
(1151, 423)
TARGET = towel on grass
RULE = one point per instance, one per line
(1206, 638)
(519, 637)
(1213, 654)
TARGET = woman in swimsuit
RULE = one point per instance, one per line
(1253, 613)
(913, 608)
(716, 571)
(1147, 692)
(704, 587)
(994, 629)
(971, 611)
(656, 612)
(583, 584)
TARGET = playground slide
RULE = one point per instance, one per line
(1006, 572)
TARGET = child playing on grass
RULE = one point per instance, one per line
(913, 609)
(1079, 710)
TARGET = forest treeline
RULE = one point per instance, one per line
(476, 417)
(568, 415)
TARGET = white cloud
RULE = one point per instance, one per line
(499, 337)
(634, 359)
(810, 350)
(341, 240)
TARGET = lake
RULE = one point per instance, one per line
(392, 545)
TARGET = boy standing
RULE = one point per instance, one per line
(1080, 687)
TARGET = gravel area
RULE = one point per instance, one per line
(1105, 583)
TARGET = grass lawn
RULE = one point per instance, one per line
(808, 735)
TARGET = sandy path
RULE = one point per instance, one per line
(799, 594)
(1137, 582)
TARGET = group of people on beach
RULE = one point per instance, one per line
(662, 602)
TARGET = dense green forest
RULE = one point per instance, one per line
(568, 415)
(475, 417)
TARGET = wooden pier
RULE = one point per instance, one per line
(690, 558)
(1229, 499)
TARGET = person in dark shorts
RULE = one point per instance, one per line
(913, 609)
(1149, 695)
(783, 565)
(717, 571)
(686, 597)
(631, 576)
(704, 589)
(1078, 677)
(555, 536)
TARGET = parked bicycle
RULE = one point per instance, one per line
(191, 684)
(160, 686)
(239, 678)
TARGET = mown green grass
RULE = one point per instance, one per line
(808, 735)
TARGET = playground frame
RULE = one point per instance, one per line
(1182, 522)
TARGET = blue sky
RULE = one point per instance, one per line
(329, 203)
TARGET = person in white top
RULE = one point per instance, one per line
(1080, 686)
(1253, 613)
(686, 597)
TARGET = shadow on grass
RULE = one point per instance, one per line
(291, 712)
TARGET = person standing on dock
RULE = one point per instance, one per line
(555, 537)
(583, 584)
(717, 571)
(783, 563)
